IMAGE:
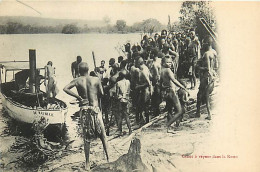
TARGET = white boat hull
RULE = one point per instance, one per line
(29, 115)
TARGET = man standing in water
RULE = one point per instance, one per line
(168, 83)
(89, 89)
(207, 75)
(75, 67)
(51, 85)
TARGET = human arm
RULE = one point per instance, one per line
(67, 89)
(174, 54)
(117, 90)
(216, 60)
(73, 70)
(45, 75)
(184, 97)
(100, 89)
(175, 81)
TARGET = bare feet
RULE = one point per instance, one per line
(197, 115)
(208, 118)
(87, 166)
(169, 130)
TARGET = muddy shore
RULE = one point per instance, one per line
(159, 150)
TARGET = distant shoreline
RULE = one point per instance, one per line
(120, 33)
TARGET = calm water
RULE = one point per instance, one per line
(62, 50)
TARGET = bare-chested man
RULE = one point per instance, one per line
(144, 89)
(75, 67)
(89, 89)
(51, 87)
(123, 92)
(207, 75)
(114, 103)
(191, 55)
(155, 72)
(169, 84)
(134, 77)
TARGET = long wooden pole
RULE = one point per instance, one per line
(32, 61)
(94, 60)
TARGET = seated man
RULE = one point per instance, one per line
(89, 89)
(21, 77)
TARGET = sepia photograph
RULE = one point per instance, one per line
(147, 86)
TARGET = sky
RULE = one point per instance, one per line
(130, 11)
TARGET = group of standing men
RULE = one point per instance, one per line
(150, 73)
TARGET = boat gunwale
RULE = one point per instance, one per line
(26, 107)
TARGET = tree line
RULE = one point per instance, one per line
(146, 26)
(190, 12)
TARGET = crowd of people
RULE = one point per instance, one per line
(153, 71)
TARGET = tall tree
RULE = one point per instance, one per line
(148, 26)
(192, 10)
(70, 29)
(120, 25)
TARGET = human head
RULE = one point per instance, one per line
(49, 63)
(127, 47)
(178, 36)
(79, 59)
(167, 61)
(115, 68)
(138, 48)
(145, 37)
(192, 34)
(120, 59)
(112, 61)
(156, 36)
(140, 61)
(123, 64)
(207, 42)
(162, 41)
(169, 40)
(164, 33)
(102, 63)
(83, 68)
(183, 36)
